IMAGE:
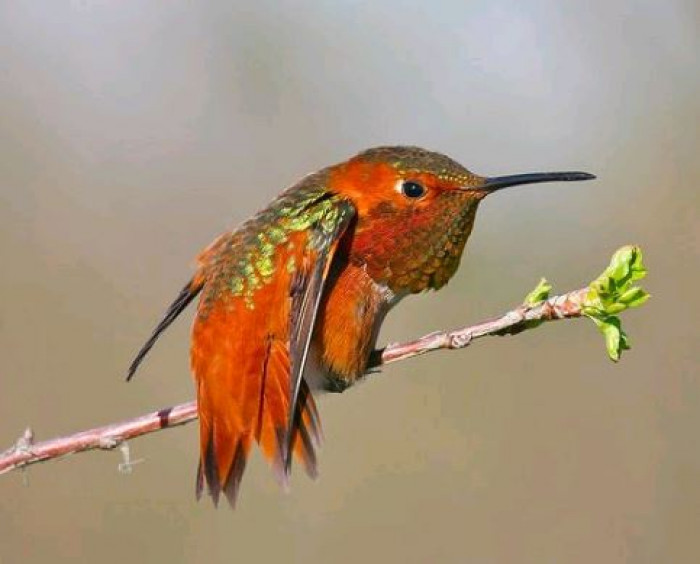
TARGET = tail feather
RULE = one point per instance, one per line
(304, 450)
(275, 416)
(227, 431)
(221, 467)
(211, 473)
(307, 436)
(235, 473)
(199, 482)
(274, 401)
(187, 294)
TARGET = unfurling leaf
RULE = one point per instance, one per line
(539, 294)
(634, 297)
(616, 339)
(612, 293)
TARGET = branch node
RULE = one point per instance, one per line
(108, 442)
(25, 442)
(23, 445)
(460, 339)
(549, 311)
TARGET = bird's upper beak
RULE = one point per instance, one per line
(491, 184)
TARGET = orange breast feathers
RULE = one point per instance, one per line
(241, 363)
(348, 324)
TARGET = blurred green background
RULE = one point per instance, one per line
(132, 133)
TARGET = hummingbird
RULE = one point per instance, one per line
(293, 299)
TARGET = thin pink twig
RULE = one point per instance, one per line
(26, 451)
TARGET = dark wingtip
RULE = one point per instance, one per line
(186, 295)
(199, 482)
(233, 480)
(310, 460)
(134, 366)
(211, 473)
(208, 473)
(287, 449)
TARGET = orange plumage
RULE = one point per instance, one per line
(309, 280)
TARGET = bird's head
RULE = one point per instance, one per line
(415, 211)
(414, 180)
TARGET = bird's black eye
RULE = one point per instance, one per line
(412, 189)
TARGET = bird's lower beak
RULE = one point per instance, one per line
(498, 182)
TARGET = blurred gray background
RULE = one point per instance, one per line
(132, 133)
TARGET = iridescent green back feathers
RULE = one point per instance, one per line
(246, 260)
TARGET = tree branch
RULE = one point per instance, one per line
(601, 301)
(26, 451)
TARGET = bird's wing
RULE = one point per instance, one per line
(307, 290)
(251, 338)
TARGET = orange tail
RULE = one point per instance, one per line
(243, 396)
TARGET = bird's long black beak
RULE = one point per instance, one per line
(498, 182)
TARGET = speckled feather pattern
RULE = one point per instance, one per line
(244, 262)
(425, 253)
(410, 159)
(412, 249)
